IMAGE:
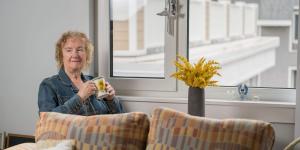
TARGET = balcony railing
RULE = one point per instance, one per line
(213, 21)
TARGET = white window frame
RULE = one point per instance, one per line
(171, 88)
(133, 84)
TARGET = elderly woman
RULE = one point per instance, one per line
(70, 91)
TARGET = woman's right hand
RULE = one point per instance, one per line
(86, 90)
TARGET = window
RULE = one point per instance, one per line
(228, 31)
(140, 45)
(137, 39)
(248, 39)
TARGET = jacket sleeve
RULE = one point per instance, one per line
(114, 106)
(48, 100)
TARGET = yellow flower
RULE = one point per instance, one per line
(196, 75)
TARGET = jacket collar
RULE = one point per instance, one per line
(66, 80)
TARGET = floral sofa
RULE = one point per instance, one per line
(166, 129)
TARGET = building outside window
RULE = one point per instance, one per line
(295, 29)
(292, 71)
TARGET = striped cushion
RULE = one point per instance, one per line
(117, 131)
(170, 129)
(49, 143)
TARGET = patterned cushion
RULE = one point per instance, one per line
(56, 144)
(170, 129)
(117, 131)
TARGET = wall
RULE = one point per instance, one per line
(29, 30)
(277, 10)
(274, 9)
(270, 77)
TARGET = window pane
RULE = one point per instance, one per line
(137, 38)
(251, 39)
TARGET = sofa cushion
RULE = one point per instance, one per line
(116, 131)
(170, 129)
(50, 144)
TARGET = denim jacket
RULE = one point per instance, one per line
(58, 94)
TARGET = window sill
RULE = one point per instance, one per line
(211, 102)
(275, 112)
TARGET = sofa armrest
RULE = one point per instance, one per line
(292, 145)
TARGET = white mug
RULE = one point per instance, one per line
(100, 84)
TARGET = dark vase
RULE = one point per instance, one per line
(196, 101)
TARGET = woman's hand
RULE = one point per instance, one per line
(86, 90)
(110, 90)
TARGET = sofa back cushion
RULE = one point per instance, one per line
(170, 129)
(56, 144)
(116, 131)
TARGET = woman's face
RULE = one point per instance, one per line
(74, 54)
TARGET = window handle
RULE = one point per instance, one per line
(171, 14)
(163, 13)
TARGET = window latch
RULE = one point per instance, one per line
(243, 91)
(171, 14)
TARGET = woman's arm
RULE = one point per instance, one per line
(114, 106)
(48, 100)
